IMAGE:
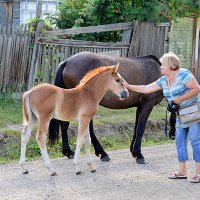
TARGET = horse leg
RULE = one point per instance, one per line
(41, 139)
(97, 146)
(82, 129)
(66, 150)
(172, 122)
(25, 135)
(142, 115)
(135, 130)
(87, 142)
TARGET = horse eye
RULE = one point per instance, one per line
(117, 80)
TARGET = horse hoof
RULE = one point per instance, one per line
(140, 161)
(105, 159)
(26, 172)
(54, 174)
(78, 173)
(69, 154)
(172, 137)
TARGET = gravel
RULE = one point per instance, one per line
(119, 179)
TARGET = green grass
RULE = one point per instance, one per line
(11, 151)
(11, 113)
(105, 115)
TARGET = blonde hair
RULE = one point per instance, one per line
(171, 60)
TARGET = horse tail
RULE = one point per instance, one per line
(27, 112)
(53, 131)
(59, 78)
(54, 123)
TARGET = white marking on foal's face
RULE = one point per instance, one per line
(117, 87)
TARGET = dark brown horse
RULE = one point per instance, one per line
(138, 71)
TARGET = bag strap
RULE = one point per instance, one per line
(170, 92)
(166, 122)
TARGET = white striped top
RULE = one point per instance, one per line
(178, 89)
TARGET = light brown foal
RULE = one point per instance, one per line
(45, 101)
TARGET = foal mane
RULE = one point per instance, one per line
(90, 75)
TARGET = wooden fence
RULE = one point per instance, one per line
(15, 57)
(25, 60)
(53, 51)
(149, 38)
(138, 39)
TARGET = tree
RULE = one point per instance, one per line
(79, 13)
(171, 9)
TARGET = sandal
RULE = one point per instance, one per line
(195, 179)
(177, 175)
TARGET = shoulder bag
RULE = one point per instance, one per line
(188, 113)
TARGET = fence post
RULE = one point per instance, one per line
(35, 55)
(36, 46)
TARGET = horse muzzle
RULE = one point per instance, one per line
(124, 94)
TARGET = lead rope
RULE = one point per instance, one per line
(166, 122)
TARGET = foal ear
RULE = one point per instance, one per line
(115, 68)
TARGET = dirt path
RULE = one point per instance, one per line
(119, 179)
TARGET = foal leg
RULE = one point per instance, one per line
(25, 135)
(87, 142)
(41, 139)
(82, 129)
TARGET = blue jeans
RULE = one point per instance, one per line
(181, 142)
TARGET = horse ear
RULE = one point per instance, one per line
(115, 68)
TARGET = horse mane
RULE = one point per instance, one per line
(91, 74)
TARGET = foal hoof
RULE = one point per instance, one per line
(94, 170)
(105, 159)
(78, 173)
(140, 161)
(54, 174)
(25, 172)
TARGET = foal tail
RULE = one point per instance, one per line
(27, 112)
(54, 123)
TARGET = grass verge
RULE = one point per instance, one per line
(11, 113)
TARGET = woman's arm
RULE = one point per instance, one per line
(194, 90)
(152, 87)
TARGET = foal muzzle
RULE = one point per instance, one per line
(124, 94)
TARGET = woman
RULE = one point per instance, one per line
(178, 84)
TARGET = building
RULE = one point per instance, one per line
(20, 11)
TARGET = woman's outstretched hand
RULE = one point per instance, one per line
(125, 84)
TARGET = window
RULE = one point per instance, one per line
(28, 9)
